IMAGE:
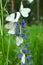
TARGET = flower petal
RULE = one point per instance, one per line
(25, 50)
(29, 57)
(27, 44)
(30, 62)
(23, 23)
(19, 55)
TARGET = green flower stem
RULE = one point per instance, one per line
(20, 30)
(7, 59)
(2, 36)
(2, 30)
(5, 3)
(0, 27)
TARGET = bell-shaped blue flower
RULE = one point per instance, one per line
(17, 24)
(29, 57)
(25, 50)
(30, 62)
(26, 36)
(22, 34)
(23, 64)
(19, 55)
(18, 29)
(26, 45)
(23, 23)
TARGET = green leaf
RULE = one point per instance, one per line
(0, 24)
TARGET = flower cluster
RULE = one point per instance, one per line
(25, 55)
(14, 27)
(18, 29)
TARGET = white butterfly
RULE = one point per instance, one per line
(19, 40)
(12, 18)
(11, 32)
(30, 1)
(11, 27)
(23, 59)
(24, 11)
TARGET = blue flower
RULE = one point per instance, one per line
(18, 29)
(19, 55)
(23, 64)
(29, 57)
(26, 36)
(22, 34)
(17, 24)
(25, 50)
(23, 23)
(30, 62)
(26, 45)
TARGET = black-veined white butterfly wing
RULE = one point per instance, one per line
(25, 12)
(10, 25)
(11, 31)
(10, 17)
(11, 28)
(19, 41)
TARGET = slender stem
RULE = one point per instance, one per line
(2, 36)
(6, 11)
(6, 3)
(20, 30)
(7, 59)
(0, 27)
